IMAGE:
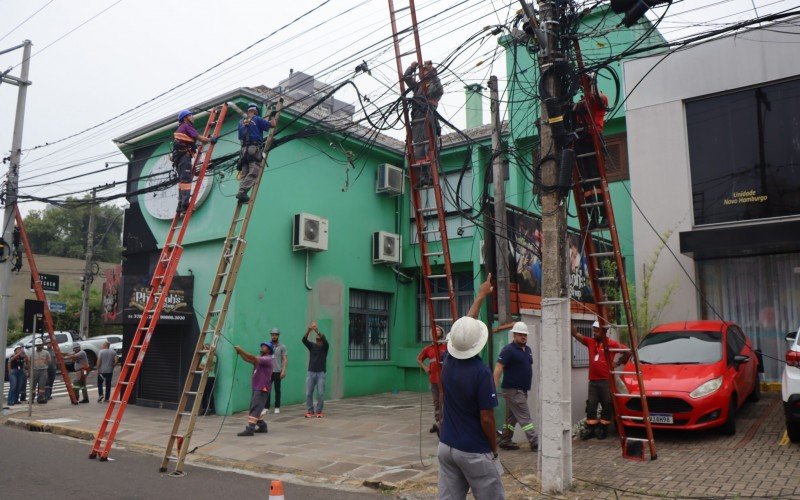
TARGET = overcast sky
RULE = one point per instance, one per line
(94, 59)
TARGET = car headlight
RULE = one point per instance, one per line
(706, 388)
(621, 387)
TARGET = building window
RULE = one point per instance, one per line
(465, 295)
(457, 225)
(617, 158)
(369, 326)
(580, 353)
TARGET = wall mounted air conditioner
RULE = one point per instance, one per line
(389, 180)
(387, 248)
(309, 232)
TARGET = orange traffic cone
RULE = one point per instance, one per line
(276, 490)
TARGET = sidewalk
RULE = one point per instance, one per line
(384, 439)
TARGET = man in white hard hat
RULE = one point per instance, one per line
(40, 359)
(467, 440)
(599, 389)
(515, 364)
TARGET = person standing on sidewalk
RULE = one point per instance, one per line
(40, 359)
(17, 365)
(315, 378)
(262, 375)
(433, 354)
(515, 364)
(51, 370)
(82, 369)
(467, 441)
(106, 360)
(207, 403)
(279, 363)
(599, 390)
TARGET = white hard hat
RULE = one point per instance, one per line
(467, 337)
(37, 342)
(76, 345)
(596, 324)
(520, 327)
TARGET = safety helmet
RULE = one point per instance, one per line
(467, 337)
(38, 342)
(520, 327)
(183, 114)
(252, 105)
(596, 324)
(76, 346)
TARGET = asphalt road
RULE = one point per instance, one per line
(41, 465)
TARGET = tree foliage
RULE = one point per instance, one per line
(60, 231)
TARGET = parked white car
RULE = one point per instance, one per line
(790, 387)
(65, 341)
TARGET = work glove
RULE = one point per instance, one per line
(213, 139)
(273, 114)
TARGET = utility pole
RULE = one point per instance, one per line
(12, 183)
(88, 275)
(555, 443)
(500, 232)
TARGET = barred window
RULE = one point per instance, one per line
(465, 295)
(580, 353)
(369, 326)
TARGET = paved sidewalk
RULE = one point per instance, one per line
(384, 439)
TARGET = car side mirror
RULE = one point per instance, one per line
(791, 336)
(739, 359)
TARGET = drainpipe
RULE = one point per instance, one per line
(474, 105)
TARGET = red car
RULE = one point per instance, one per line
(696, 374)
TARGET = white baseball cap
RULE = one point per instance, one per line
(520, 327)
(467, 337)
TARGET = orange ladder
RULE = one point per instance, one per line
(159, 290)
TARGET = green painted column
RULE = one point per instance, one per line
(474, 105)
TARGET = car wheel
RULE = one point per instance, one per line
(793, 430)
(729, 427)
(756, 394)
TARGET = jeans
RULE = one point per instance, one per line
(104, 379)
(315, 379)
(51, 378)
(16, 385)
(276, 384)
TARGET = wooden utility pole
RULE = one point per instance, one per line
(555, 442)
(500, 219)
(88, 274)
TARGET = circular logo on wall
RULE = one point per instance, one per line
(162, 203)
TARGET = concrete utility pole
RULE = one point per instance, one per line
(500, 232)
(555, 443)
(88, 275)
(11, 194)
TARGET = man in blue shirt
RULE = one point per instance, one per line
(251, 135)
(468, 443)
(515, 364)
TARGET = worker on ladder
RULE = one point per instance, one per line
(590, 118)
(426, 92)
(251, 134)
(184, 146)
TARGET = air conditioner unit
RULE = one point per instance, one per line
(387, 248)
(309, 232)
(389, 180)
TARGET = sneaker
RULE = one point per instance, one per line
(434, 428)
(320, 415)
(261, 430)
(309, 414)
(82, 401)
(100, 399)
(277, 410)
(509, 446)
(106, 400)
(601, 431)
(247, 432)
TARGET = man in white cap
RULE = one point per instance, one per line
(467, 440)
(515, 364)
(599, 390)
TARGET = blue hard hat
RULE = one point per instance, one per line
(270, 345)
(252, 105)
(183, 114)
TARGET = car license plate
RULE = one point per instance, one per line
(660, 418)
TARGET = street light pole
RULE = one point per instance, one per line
(88, 275)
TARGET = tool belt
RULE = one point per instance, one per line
(179, 149)
(250, 152)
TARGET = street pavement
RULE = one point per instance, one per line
(384, 439)
(40, 465)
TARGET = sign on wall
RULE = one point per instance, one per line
(112, 312)
(177, 304)
(49, 282)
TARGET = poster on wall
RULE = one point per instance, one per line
(177, 308)
(112, 311)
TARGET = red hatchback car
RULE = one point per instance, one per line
(696, 374)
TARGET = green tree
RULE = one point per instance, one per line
(71, 320)
(60, 231)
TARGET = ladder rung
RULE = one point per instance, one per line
(592, 204)
(610, 302)
(185, 414)
(586, 155)
(440, 298)
(434, 254)
(217, 311)
(130, 364)
(239, 219)
(641, 440)
(417, 120)
(192, 393)
(607, 278)
(223, 273)
(618, 349)
(430, 231)
(423, 163)
(435, 276)
(428, 209)
(591, 181)
(443, 319)
(602, 254)
(123, 382)
(197, 371)
(629, 417)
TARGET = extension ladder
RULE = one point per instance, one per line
(159, 290)
(48, 318)
(606, 271)
(430, 221)
(223, 284)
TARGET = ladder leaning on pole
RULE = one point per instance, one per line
(431, 226)
(48, 317)
(159, 289)
(223, 284)
(606, 271)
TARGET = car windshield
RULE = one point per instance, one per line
(671, 348)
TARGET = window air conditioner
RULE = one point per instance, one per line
(387, 248)
(309, 232)
(389, 180)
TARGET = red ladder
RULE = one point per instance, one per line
(607, 274)
(429, 237)
(48, 318)
(159, 289)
